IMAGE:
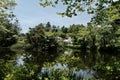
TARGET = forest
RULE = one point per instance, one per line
(50, 52)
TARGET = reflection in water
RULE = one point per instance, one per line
(74, 74)
(84, 74)
(89, 59)
(60, 66)
(20, 60)
(68, 52)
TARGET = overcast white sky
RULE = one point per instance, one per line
(30, 14)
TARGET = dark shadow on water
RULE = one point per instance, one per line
(39, 57)
(88, 58)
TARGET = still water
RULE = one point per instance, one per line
(75, 63)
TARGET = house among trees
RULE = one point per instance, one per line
(67, 40)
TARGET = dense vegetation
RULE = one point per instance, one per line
(42, 45)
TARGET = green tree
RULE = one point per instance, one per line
(54, 28)
(36, 37)
(64, 29)
(108, 19)
(75, 6)
(48, 26)
(74, 28)
(8, 24)
(8, 33)
(111, 70)
(92, 36)
(38, 40)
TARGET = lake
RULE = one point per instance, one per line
(71, 63)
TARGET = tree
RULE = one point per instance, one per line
(64, 29)
(75, 28)
(6, 5)
(36, 37)
(7, 37)
(39, 41)
(107, 15)
(75, 31)
(48, 26)
(8, 24)
(54, 28)
(92, 35)
(108, 18)
(75, 6)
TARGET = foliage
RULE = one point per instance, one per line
(71, 61)
(36, 37)
(8, 33)
(39, 41)
(103, 32)
(75, 6)
(111, 69)
(8, 24)
(5, 68)
(60, 75)
(21, 44)
(64, 29)
(21, 73)
(48, 26)
(108, 15)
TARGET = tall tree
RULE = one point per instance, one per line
(109, 19)
(8, 24)
(64, 29)
(48, 26)
(36, 37)
(38, 40)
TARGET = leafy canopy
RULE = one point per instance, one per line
(75, 6)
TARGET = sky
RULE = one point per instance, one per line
(30, 13)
